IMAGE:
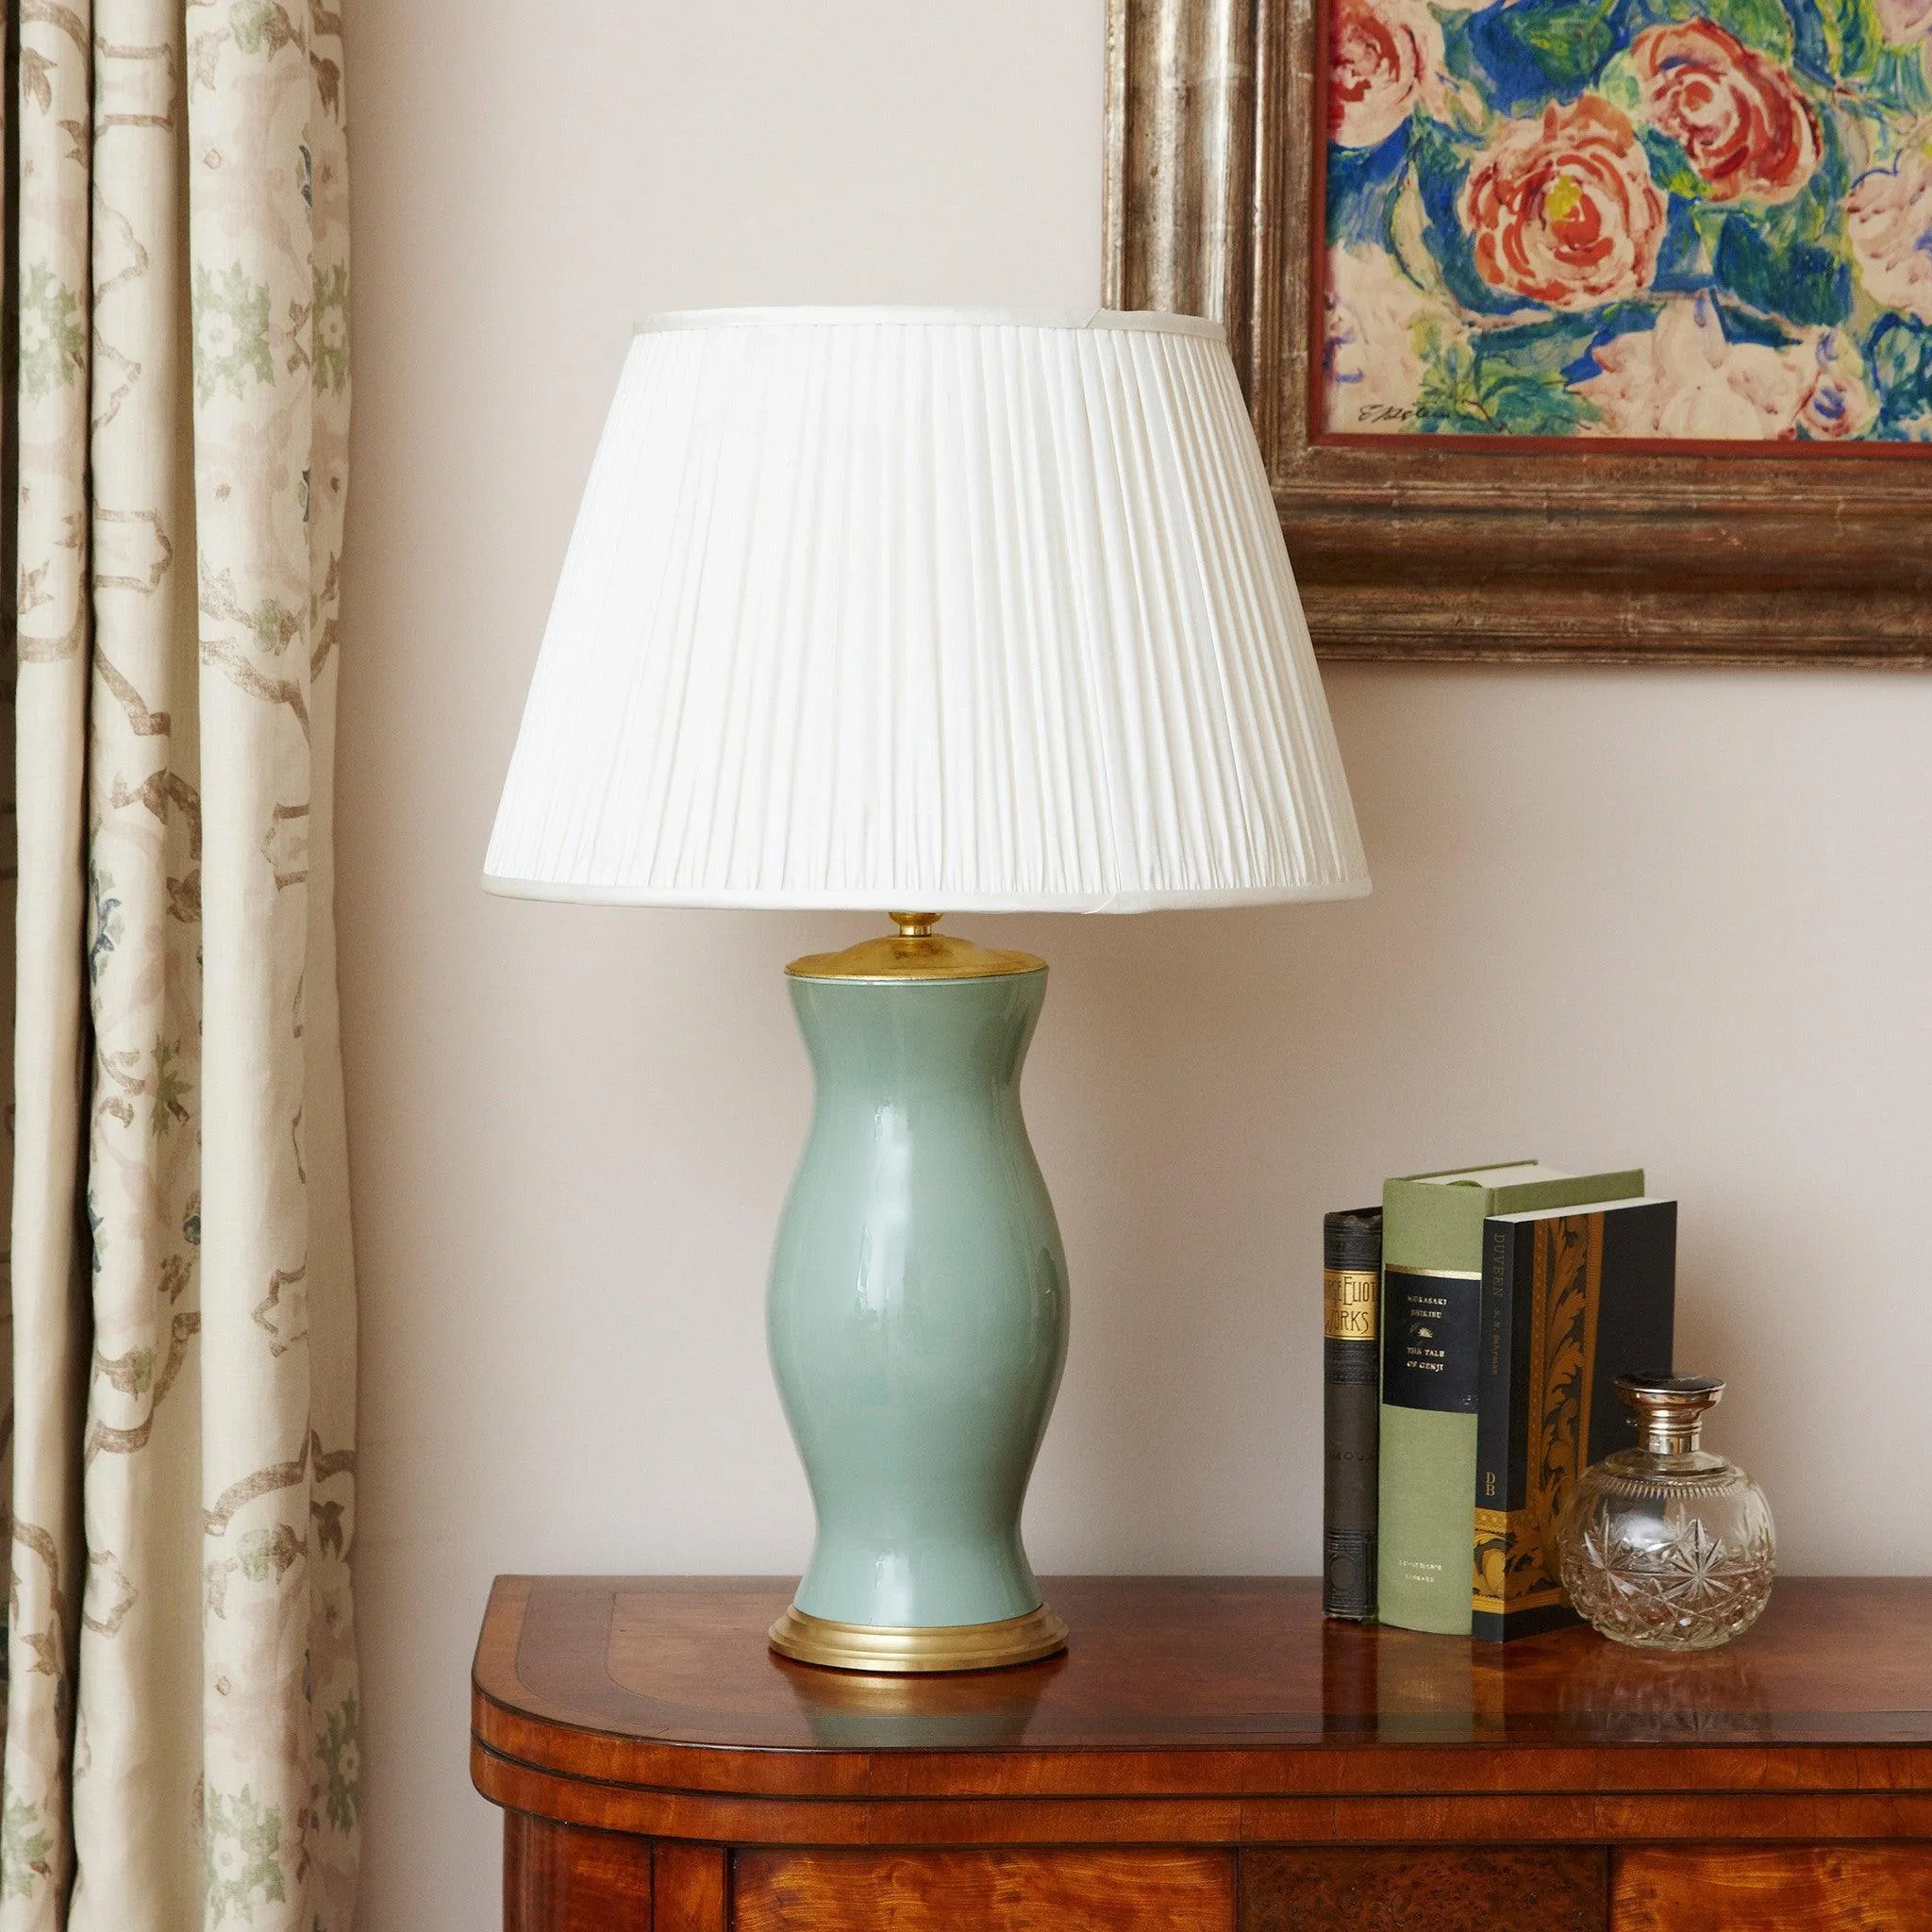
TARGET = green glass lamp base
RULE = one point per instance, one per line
(917, 1313)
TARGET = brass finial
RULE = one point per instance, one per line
(915, 926)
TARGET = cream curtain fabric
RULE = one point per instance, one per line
(181, 1729)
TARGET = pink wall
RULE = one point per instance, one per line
(1681, 918)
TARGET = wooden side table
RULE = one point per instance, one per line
(1208, 1755)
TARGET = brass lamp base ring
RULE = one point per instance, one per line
(897, 1650)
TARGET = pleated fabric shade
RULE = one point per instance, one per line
(961, 610)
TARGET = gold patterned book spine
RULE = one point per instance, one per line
(1351, 1409)
(1569, 1301)
(1535, 1464)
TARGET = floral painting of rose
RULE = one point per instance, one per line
(1651, 221)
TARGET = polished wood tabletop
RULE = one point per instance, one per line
(662, 1668)
(1223, 1714)
(1202, 1662)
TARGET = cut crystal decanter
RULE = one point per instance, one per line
(1668, 1546)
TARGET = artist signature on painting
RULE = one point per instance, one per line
(1383, 412)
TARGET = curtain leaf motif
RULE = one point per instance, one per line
(183, 1481)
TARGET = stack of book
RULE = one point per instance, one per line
(1512, 1298)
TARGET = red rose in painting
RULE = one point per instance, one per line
(1746, 129)
(1382, 56)
(1563, 210)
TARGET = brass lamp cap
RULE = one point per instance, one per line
(914, 952)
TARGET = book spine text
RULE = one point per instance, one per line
(1351, 1409)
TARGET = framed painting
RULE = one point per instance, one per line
(1585, 329)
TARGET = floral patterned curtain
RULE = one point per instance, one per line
(180, 1734)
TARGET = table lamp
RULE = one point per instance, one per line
(923, 611)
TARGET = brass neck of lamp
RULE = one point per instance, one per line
(915, 951)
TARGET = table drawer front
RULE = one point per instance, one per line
(990, 1891)
(1773, 1889)
(1423, 1888)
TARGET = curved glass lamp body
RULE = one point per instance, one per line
(917, 1319)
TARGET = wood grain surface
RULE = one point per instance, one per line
(1441, 547)
(1759, 1889)
(1193, 1711)
(692, 1886)
(989, 1892)
(1424, 1891)
(1230, 1665)
(560, 1878)
(1206, 1747)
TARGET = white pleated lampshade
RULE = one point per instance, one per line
(961, 610)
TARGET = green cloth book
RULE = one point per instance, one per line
(1432, 1272)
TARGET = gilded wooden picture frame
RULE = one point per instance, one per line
(1645, 537)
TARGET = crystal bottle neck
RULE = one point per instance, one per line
(1671, 1435)
(1669, 1410)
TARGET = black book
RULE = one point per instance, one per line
(1571, 1298)
(1351, 1409)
